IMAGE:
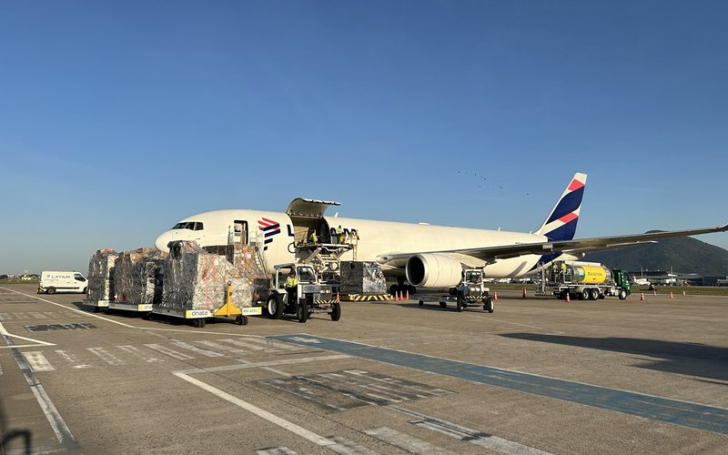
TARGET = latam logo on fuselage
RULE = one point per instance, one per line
(270, 228)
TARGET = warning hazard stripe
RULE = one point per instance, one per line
(368, 298)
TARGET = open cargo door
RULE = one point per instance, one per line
(307, 216)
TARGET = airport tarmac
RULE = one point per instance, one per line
(538, 376)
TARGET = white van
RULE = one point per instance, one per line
(52, 282)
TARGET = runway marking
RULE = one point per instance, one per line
(406, 442)
(38, 315)
(85, 313)
(224, 348)
(5, 333)
(72, 359)
(692, 415)
(346, 447)
(268, 343)
(59, 427)
(276, 451)
(195, 349)
(106, 356)
(472, 436)
(243, 344)
(139, 353)
(272, 418)
(169, 352)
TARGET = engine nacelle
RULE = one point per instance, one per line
(433, 271)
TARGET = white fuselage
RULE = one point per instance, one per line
(376, 239)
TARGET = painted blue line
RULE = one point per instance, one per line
(682, 413)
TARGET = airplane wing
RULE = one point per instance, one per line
(494, 253)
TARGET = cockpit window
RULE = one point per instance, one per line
(191, 225)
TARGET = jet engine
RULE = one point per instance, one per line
(433, 271)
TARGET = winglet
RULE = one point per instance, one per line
(561, 222)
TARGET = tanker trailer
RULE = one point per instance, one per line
(585, 281)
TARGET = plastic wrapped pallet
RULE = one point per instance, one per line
(359, 277)
(197, 280)
(101, 276)
(243, 257)
(138, 276)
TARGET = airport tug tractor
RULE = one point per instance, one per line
(470, 291)
(311, 296)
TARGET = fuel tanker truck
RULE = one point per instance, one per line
(585, 281)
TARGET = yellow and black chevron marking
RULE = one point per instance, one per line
(325, 302)
(369, 298)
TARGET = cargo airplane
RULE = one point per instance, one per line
(426, 256)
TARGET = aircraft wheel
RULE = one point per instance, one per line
(336, 313)
(275, 307)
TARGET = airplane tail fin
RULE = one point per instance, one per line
(561, 222)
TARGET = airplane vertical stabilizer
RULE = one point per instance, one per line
(561, 222)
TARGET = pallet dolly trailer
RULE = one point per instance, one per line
(470, 291)
(96, 305)
(198, 318)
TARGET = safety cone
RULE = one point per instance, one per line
(525, 294)
(671, 296)
(407, 295)
(338, 297)
(642, 297)
(654, 292)
(568, 297)
(684, 293)
(495, 296)
(399, 297)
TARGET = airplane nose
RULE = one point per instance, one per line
(162, 241)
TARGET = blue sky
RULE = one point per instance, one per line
(117, 119)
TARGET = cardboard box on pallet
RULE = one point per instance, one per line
(138, 276)
(101, 276)
(361, 277)
(195, 279)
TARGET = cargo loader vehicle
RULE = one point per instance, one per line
(310, 296)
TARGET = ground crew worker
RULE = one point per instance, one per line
(314, 237)
(292, 287)
(354, 239)
(562, 270)
(340, 234)
(554, 271)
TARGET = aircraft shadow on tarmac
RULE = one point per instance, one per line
(693, 359)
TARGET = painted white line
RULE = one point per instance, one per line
(346, 447)
(276, 451)
(270, 344)
(37, 361)
(244, 344)
(195, 349)
(139, 353)
(475, 437)
(106, 356)
(85, 313)
(224, 348)
(38, 315)
(265, 365)
(4, 317)
(71, 359)
(272, 418)
(169, 352)
(406, 442)
(20, 316)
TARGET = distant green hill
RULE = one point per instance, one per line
(683, 254)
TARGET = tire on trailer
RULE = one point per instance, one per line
(594, 294)
(421, 303)
(443, 304)
(336, 313)
(275, 306)
(584, 294)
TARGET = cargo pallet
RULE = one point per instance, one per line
(133, 307)
(198, 318)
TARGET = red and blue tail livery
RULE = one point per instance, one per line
(561, 222)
